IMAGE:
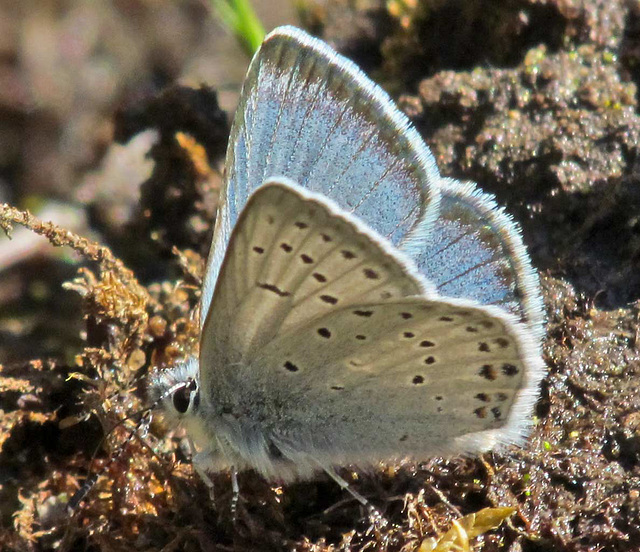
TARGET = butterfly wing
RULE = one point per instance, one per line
(311, 115)
(474, 250)
(308, 114)
(294, 256)
(327, 340)
(414, 378)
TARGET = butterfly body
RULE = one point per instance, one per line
(357, 307)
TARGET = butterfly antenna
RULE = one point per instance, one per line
(93, 477)
(145, 415)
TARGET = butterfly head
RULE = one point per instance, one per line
(177, 390)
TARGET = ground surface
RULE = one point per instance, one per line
(535, 101)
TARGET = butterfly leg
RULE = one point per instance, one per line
(236, 494)
(340, 481)
(204, 461)
(374, 514)
(200, 463)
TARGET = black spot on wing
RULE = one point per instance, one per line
(510, 370)
(488, 372)
(291, 367)
(273, 289)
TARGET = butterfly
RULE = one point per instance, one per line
(357, 306)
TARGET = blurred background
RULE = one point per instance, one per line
(66, 68)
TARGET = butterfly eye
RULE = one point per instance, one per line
(183, 397)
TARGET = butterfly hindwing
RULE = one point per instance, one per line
(474, 250)
(411, 377)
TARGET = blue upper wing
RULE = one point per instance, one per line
(309, 114)
(474, 250)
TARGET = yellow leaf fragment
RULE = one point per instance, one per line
(466, 528)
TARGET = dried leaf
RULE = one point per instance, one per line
(466, 528)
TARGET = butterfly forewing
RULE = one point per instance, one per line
(294, 257)
(307, 114)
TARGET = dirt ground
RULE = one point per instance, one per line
(106, 129)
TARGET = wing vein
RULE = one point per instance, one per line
(465, 272)
(323, 146)
(292, 74)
